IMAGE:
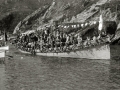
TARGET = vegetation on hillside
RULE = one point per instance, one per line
(13, 11)
(60, 10)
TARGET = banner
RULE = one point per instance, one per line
(100, 27)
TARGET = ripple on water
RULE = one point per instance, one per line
(2, 75)
(52, 73)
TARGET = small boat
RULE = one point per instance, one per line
(4, 48)
(2, 54)
(95, 52)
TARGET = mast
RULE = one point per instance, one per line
(100, 26)
(5, 37)
(116, 13)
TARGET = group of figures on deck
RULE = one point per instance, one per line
(57, 41)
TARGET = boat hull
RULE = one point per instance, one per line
(96, 52)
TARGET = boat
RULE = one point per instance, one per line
(99, 51)
(3, 46)
(2, 54)
(95, 52)
(3, 50)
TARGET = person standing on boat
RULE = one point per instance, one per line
(61, 39)
(94, 40)
(67, 40)
(45, 36)
(5, 38)
(79, 39)
(64, 41)
(57, 36)
(34, 40)
(71, 39)
(98, 39)
(74, 39)
(41, 44)
(49, 39)
(88, 41)
(108, 39)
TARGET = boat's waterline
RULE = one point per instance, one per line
(97, 52)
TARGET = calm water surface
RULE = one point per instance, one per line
(26, 72)
(2, 75)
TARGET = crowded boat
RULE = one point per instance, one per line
(56, 40)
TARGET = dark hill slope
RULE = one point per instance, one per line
(59, 10)
(17, 10)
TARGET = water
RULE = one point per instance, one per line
(26, 72)
(2, 75)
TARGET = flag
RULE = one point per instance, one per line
(74, 26)
(100, 27)
(65, 27)
(82, 25)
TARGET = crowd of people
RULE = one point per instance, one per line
(57, 41)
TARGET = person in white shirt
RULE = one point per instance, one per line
(93, 41)
(79, 39)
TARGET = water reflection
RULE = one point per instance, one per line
(2, 74)
(53, 73)
(114, 74)
(2, 61)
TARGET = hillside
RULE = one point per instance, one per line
(62, 10)
(17, 10)
(72, 11)
(25, 15)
